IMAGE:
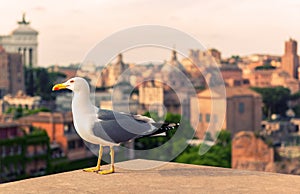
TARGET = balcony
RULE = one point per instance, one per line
(168, 178)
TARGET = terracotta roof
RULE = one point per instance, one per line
(230, 68)
(230, 92)
(207, 93)
(56, 117)
(8, 124)
(240, 91)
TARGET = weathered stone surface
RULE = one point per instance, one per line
(288, 166)
(168, 178)
(251, 153)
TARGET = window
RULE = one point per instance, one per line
(200, 117)
(67, 128)
(71, 145)
(207, 118)
(297, 128)
(80, 143)
(215, 120)
(241, 107)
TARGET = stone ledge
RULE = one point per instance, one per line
(168, 178)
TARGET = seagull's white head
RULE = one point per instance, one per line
(76, 84)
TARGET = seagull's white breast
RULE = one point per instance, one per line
(84, 117)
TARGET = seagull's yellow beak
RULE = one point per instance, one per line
(59, 87)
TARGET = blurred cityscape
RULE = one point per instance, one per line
(260, 130)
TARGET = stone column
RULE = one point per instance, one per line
(30, 57)
(34, 56)
(24, 57)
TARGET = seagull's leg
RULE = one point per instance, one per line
(112, 167)
(97, 168)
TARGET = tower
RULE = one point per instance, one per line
(290, 59)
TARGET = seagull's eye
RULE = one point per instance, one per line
(72, 81)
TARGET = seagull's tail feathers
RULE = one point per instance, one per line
(161, 128)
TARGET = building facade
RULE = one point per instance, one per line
(151, 97)
(232, 75)
(113, 73)
(155, 96)
(61, 132)
(22, 40)
(12, 74)
(243, 111)
(273, 78)
(19, 100)
(22, 155)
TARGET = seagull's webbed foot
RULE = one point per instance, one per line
(112, 167)
(92, 169)
(97, 168)
(104, 172)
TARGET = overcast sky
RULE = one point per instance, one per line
(69, 28)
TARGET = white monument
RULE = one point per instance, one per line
(22, 40)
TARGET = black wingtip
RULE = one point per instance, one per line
(162, 128)
(170, 126)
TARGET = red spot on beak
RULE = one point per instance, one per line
(59, 87)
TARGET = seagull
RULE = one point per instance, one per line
(106, 127)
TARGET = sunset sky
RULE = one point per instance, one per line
(69, 28)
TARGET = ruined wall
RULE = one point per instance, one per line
(251, 153)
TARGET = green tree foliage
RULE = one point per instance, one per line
(275, 100)
(166, 146)
(37, 136)
(20, 112)
(296, 109)
(218, 155)
(295, 96)
(153, 142)
(29, 81)
(236, 57)
(39, 82)
(265, 67)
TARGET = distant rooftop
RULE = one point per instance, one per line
(230, 92)
(8, 124)
(55, 117)
(227, 67)
(168, 178)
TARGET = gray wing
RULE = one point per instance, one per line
(105, 115)
(120, 127)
